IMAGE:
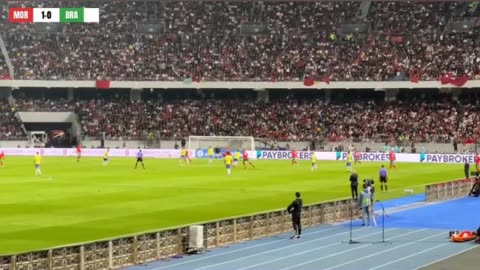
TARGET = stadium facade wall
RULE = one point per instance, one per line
(235, 85)
(53, 117)
(14, 144)
(375, 147)
(120, 144)
(167, 144)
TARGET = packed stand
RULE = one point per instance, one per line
(202, 40)
(4, 74)
(283, 120)
(10, 125)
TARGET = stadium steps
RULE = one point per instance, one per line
(363, 10)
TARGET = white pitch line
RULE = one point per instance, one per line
(338, 253)
(386, 250)
(241, 249)
(274, 250)
(449, 256)
(310, 250)
(409, 256)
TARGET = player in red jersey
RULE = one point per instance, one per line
(294, 157)
(392, 158)
(79, 153)
(245, 159)
(356, 157)
(477, 162)
(2, 157)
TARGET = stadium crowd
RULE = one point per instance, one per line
(289, 119)
(203, 40)
(10, 126)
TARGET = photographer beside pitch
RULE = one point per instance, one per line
(295, 208)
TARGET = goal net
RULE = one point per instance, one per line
(225, 142)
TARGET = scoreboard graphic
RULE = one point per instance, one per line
(54, 15)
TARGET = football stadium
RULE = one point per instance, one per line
(239, 134)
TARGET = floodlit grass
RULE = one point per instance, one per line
(84, 201)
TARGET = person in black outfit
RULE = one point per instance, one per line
(475, 191)
(354, 185)
(183, 143)
(295, 208)
(466, 169)
(216, 150)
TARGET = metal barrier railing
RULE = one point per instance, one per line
(448, 190)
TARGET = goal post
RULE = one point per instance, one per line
(224, 142)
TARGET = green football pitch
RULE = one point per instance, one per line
(84, 201)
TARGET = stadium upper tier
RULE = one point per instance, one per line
(286, 118)
(250, 41)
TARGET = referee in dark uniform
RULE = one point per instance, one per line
(295, 208)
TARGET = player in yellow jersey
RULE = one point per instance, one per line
(184, 156)
(105, 157)
(314, 162)
(228, 163)
(349, 161)
(236, 158)
(210, 154)
(37, 161)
